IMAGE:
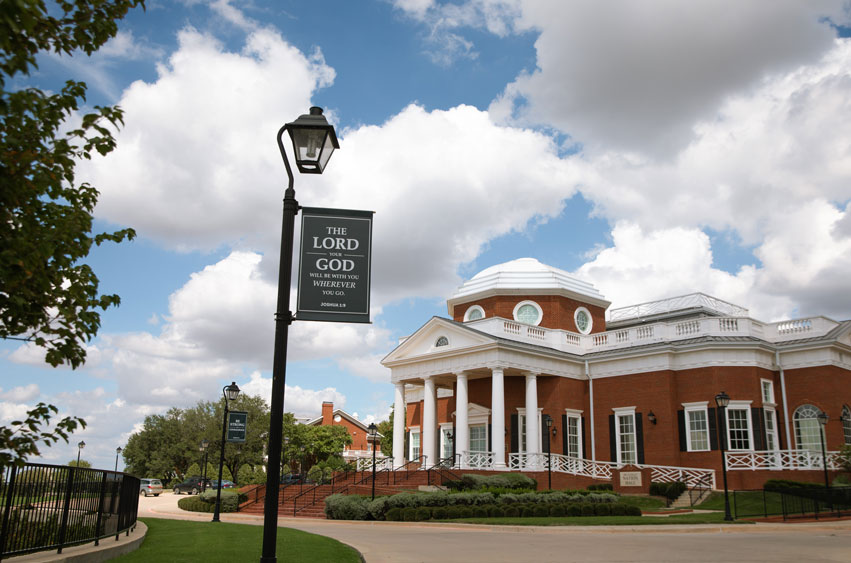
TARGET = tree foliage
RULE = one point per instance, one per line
(47, 295)
(385, 428)
(21, 438)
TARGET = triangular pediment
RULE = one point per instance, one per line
(437, 337)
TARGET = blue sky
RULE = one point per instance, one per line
(653, 148)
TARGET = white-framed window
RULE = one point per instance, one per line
(583, 320)
(739, 426)
(697, 427)
(772, 440)
(808, 429)
(574, 433)
(446, 439)
(441, 341)
(474, 313)
(528, 312)
(478, 437)
(521, 428)
(625, 441)
(414, 444)
(767, 387)
(846, 423)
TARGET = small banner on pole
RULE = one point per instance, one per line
(237, 421)
(335, 264)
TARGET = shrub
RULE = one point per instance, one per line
(378, 508)
(602, 509)
(600, 487)
(496, 511)
(423, 513)
(347, 507)
(780, 485)
(541, 510)
(409, 514)
(632, 510)
(557, 510)
(574, 509)
(526, 512)
(194, 504)
(587, 509)
(480, 511)
(618, 509)
(512, 511)
(439, 513)
(393, 515)
(671, 491)
(465, 512)
(453, 512)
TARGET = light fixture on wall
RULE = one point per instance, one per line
(651, 417)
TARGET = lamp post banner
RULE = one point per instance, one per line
(335, 263)
(236, 426)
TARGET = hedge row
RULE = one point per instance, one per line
(355, 507)
(421, 513)
(206, 502)
(671, 491)
(780, 485)
(508, 481)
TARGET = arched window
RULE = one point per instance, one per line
(474, 313)
(442, 341)
(846, 423)
(808, 429)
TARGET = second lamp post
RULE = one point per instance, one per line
(230, 393)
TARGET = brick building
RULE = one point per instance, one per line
(636, 386)
(361, 446)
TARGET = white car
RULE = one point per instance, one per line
(150, 487)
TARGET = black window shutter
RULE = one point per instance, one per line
(758, 429)
(515, 438)
(613, 448)
(545, 436)
(454, 439)
(777, 427)
(564, 434)
(407, 445)
(681, 424)
(712, 420)
(582, 420)
(490, 433)
(639, 437)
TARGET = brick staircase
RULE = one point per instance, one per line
(685, 499)
(308, 501)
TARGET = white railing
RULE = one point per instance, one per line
(381, 463)
(691, 476)
(477, 460)
(690, 301)
(657, 332)
(781, 459)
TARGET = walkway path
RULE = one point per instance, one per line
(408, 542)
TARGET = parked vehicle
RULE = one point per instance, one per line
(193, 485)
(150, 487)
(226, 484)
(292, 479)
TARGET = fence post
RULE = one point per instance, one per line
(7, 509)
(100, 508)
(67, 508)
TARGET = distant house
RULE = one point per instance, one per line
(360, 447)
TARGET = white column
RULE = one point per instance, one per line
(532, 430)
(429, 434)
(462, 424)
(400, 412)
(498, 417)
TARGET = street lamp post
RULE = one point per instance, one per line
(722, 399)
(230, 393)
(823, 418)
(80, 445)
(314, 140)
(548, 420)
(118, 451)
(371, 436)
(284, 454)
(203, 448)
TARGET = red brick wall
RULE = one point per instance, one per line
(558, 311)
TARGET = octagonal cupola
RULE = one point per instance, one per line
(529, 292)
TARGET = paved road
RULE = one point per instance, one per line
(403, 542)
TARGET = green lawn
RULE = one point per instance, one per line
(745, 503)
(180, 541)
(711, 518)
(642, 502)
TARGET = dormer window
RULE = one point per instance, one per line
(442, 341)
(528, 312)
(474, 313)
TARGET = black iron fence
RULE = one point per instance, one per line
(56, 506)
(820, 502)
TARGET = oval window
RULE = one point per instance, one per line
(528, 312)
(474, 313)
(442, 341)
(582, 318)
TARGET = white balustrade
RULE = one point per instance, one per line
(477, 460)
(781, 459)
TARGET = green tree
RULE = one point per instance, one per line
(244, 474)
(47, 295)
(83, 463)
(21, 438)
(385, 428)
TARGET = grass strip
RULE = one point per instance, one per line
(711, 518)
(180, 541)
